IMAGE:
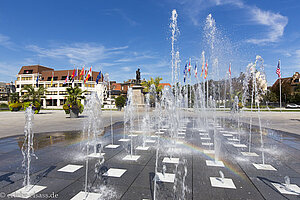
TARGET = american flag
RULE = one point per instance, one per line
(278, 70)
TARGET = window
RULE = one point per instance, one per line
(26, 78)
(49, 78)
(297, 80)
(62, 92)
(51, 93)
(55, 78)
(63, 77)
(30, 71)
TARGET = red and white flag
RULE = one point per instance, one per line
(229, 69)
(89, 74)
(278, 70)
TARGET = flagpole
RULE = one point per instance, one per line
(207, 93)
(280, 92)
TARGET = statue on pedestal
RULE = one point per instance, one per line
(138, 76)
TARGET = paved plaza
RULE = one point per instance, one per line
(60, 167)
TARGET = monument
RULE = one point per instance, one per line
(137, 91)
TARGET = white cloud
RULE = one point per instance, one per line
(274, 21)
(78, 53)
(126, 69)
(6, 42)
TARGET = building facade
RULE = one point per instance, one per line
(5, 90)
(55, 96)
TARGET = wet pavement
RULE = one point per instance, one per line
(58, 149)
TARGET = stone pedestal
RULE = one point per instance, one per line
(138, 96)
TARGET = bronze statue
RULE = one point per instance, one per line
(138, 76)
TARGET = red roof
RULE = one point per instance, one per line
(165, 84)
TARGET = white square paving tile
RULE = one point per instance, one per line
(213, 163)
(249, 154)
(264, 167)
(112, 146)
(171, 160)
(27, 191)
(207, 143)
(132, 135)
(227, 135)
(70, 168)
(203, 134)
(209, 151)
(150, 141)
(232, 139)
(205, 138)
(167, 177)
(86, 196)
(124, 140)
(115, 172)
(142, 148)
(131, 157)
(240, 145)
(222, 183)
(292, 189)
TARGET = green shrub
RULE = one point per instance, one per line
(36, 106)
(3, 105)
(15, 106)
(66, 108)
(120, 101)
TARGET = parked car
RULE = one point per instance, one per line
(292, 105)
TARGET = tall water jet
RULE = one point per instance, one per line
(29, 188)
(27, 148)
(92, 129)
(131, 110)
(175, 32)
(107, 81)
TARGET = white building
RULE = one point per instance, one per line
(56, 94)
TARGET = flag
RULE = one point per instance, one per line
(73, 75)
(184, 72)
(202, 68)
(37, 81)
(98, 77)
(76, 72)
(278, 70)
(51, 80)
(205, 74)
(229, 69)
(81, 73)
(189, 69)
(67, 78)
(195, 70)
(88, 75)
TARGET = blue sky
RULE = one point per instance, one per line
(120, 36)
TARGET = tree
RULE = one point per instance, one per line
(32, 94)
(74, 94)
(156, 81)
(120, 102)
(14, 97)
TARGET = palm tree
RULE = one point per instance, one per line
(32, 94)
(155, 82)
(14, 97)
(74, 94)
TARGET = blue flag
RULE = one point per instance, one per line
(37, 81)
(98, 77)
